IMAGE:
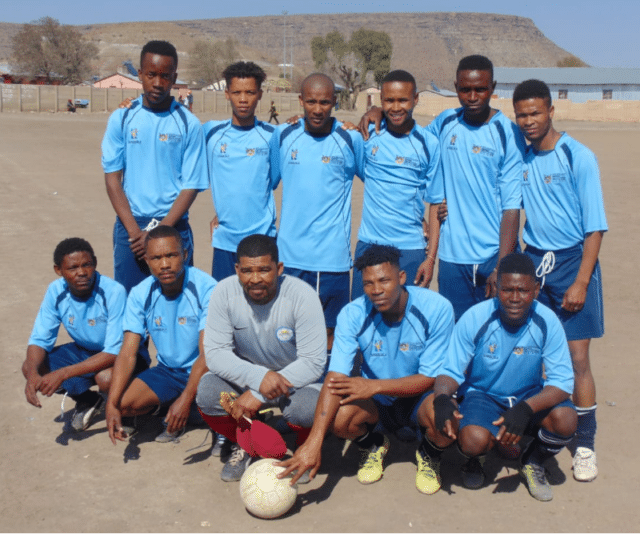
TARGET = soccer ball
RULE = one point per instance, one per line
(263, 494)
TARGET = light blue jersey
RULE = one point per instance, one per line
(561, 195)
(484, 356)
(239, 164)
(416, 345)
(160, 153)
(317, 175)
(95, 324)
(399, 171)
(174, 324)
(482, 170)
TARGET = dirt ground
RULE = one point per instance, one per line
(54, 480)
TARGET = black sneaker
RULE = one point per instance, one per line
(473, 473)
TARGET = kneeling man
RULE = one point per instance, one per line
(495, 363)
(403, 333)
(172, 306)
(266, 340)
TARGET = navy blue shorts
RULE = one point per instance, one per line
(332, 289)
(223, 264)
(480, 409)
(410, 260)
(167, 383)
(464, 285)
(130, 271)
(402, 412)
(556, 274)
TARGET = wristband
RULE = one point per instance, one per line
(516, 418)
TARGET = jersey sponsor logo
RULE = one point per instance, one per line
(326, 159)
(399, 160)
(554, 178)
(98, 320)
(284, 334)
(187, 320)
(251, 152)
(405, 347)
(333, 160)
(169, 138)
(374, 150)
(483, 150)
(92, 322)
(527, 351)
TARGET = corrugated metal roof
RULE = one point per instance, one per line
(569, 76)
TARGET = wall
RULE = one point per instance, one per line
(580, 93)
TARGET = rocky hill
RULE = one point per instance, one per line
(427, 44)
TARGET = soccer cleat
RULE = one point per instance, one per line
(473, 473)
(236, 464)
(585, 466)
(222, 447)
(85, 415)
(371, 463)
(536, 480)
(428, 476)
(168, 437)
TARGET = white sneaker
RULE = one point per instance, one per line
(585, 466)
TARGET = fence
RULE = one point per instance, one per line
(53, 98)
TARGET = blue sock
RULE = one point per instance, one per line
(545, 445)
(586, 433)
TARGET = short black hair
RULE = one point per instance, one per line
(400, 76)
(517, 263)
(257, 245)
(244, 69)
(69, 246)
(475, 62)
(376, 255)
(161, 231)
(162, 48)
(532, 89)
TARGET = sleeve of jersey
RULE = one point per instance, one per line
(116, 302)
(440, 330)
(205, 299)
(511, 173)
(218, 346)
(461, 350)
(194, 160)
(345, 340)
(435, 176)
(274, 157)
(47, 323)
(557, 358)
(134, 319)
(358, 147)
(113, 146)
(589, 191)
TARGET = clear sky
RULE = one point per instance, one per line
(604, 33)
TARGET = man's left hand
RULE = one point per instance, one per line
(245, 404)
(178, 414)
(573, 300)
(51, 382)
(352, 388)
(274, 385)
(491, 289)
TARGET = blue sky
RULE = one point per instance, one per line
(603, 33)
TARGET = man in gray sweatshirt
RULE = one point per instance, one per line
(265, 339)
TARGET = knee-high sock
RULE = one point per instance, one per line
(545, 445)
(586, 433)
(222, 424)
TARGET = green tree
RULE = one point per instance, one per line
(366, 55)
(47, 48)
(208, 59)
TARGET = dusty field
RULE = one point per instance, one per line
(52, 480)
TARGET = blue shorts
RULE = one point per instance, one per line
(167, 383)
(402, 412)
(464, 285)
(589, 321)
(332, 288)
(410, 260)
(480, 409)
(130, 271)
(223, 264)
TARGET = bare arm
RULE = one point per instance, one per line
(425, 271)
(575, 296)
(120, 203)
(180, 206)
(373, 115)
(359, 388)
(509, 228)
(31, 371)
(94, 364)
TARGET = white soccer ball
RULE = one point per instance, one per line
(263, 494)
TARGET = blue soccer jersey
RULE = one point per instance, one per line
(484, 356)
(239, 165)
(174, 324)
(482, 170)
(317, 175)
(160, 153)
(561, 195)
(415, 345)
(398, 173)
(95, 323)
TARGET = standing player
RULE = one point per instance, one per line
(172, 306)
(153, 159)
(316, 159)
(90, 306)
(238, 156)
(509, 363)
(401, 163)
(265, 340)
(565, 224)
(403, 333)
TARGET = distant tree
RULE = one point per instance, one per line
(208, 59)
(47, 48)
(571, 61)
(366, 55)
